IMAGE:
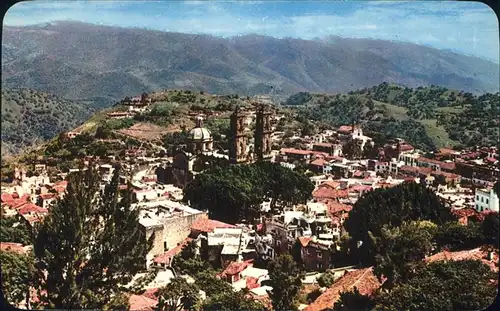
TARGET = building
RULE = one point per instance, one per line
(170, 222)
(486, 200)
(315, 253)
(363, 279)
(238, 152)
(263, 133)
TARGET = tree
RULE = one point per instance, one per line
(352, 149)
(489, 228)
(14, 229)
(452, 285)
(455, 236)
(398, 249)
(230, 301)
(326, 279)
(392, 207)
(17, 276)
(234, 193)
(353, 301)
(178, 295)
(82, 268)
(285, 279)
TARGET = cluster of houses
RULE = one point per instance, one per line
(464, 179)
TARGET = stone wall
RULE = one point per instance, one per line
(179, 228)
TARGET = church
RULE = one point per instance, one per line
(199, 154)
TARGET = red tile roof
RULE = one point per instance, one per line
(168, 255)
(346, 128)
(47, 196)
(7, 197)
(445, 165)
(28, 208)
(142, 303)
(360, 188)
(329, 193)
(330, 183)
(252, 282)
(363, 279)
(236, 267)
(318, 162)
(13, 247)
(295, 151)
(406, 147)
(208, 225)
(335, 208)
(472, 254)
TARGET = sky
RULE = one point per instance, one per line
(465, 27)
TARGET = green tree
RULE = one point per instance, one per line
(490, 229)
(82, 268)
(231, 301)
(17, 276)
(14, 229)
(285, 279)
(398, 249)
(178, 295)
(452, 285)
(353, 301)
(326, 279)
(392, 207)
(352, 149)
(455, 236)
(234, 193)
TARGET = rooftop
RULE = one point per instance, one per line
(363, 279)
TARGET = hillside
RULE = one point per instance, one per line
(430, 117)
(30, 117)
(101, 63)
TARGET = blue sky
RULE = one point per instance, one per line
(465, 27)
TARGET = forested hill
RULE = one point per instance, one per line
(30, 117)
(428, 117)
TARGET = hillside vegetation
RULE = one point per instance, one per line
(108, 63)
(30, 117)
(430, 117)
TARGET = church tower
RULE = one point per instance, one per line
(238, 142)
(263, 133)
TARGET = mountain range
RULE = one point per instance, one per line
(81, 61)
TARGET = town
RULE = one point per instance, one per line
(243, 243)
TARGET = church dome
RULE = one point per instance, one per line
(199, 133)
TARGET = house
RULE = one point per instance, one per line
(46, 200)
(225, 245)
(489, 258)
(165, 260)
(320, 166)
(170, 222)
(436, 165)
(328, 193)
(329, 148)
(363, 279)
(315, 253)
(292, 154)
(486, 199)
(242, 274)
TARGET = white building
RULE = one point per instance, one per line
(486, 199)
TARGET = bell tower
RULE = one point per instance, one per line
(238, 143)
(263, 133)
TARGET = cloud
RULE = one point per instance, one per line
(444, 25)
